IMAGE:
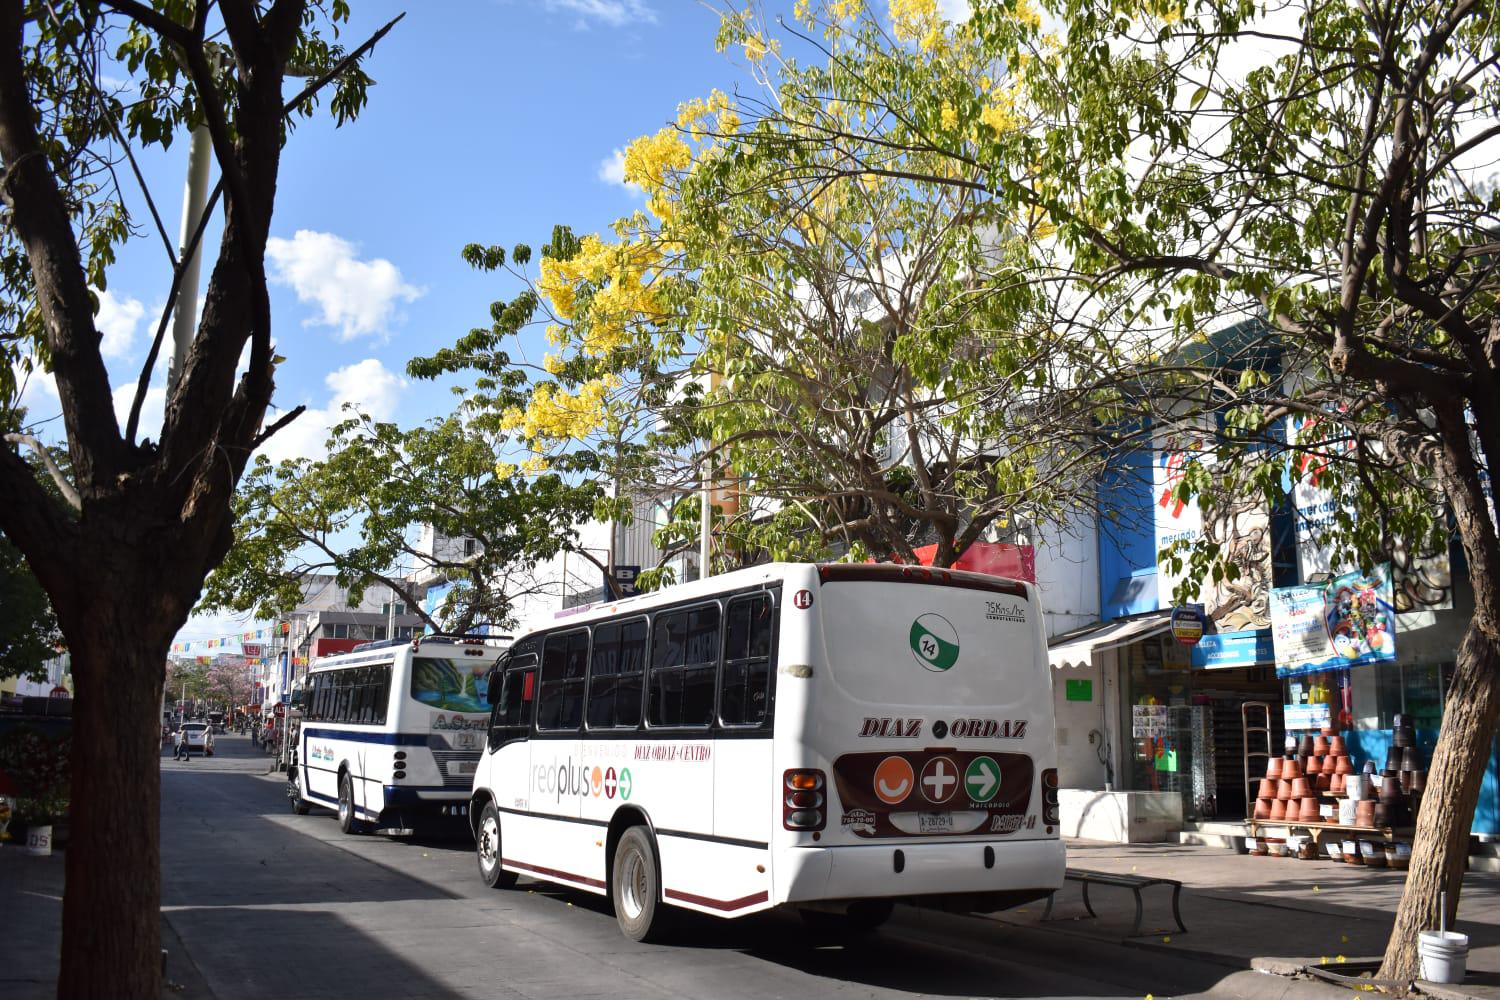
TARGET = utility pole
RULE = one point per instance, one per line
(194, 197)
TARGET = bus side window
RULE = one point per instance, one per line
(511, 719)
(615, 674)
(745, 688)
(361, 689)
(565, 659)
(684, 662)
(382, 692)
(346, 695)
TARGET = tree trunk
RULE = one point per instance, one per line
(112, 906)
(1440, 854)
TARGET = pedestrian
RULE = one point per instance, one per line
(183, 753)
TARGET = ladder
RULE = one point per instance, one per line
(1248, 712)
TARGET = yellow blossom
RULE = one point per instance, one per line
(552, 364)
(1027, 14)
(755, 47)
(846, 10)
(504, 470)
(950, 116)
(535, 464)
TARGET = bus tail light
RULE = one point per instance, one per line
(803, 803)
(1050, 812)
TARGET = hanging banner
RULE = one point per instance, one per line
(1349, 621)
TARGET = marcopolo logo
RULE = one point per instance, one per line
(934, 642)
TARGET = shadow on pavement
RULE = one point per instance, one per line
(249, 953)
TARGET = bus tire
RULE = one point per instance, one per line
(635, 887)
(347, 822)
(487, 850)
(300, 806)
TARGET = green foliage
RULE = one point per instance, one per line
(354, 514)
(28, 628)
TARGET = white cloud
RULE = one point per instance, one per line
(358, 297)
(153, 410)
(116, 321)
(38, 394)
(367, 384)
(957, 11)
(612, 171)
(615, 13)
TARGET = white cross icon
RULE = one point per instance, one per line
(938, 780)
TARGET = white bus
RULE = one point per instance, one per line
(831, 738)
(391, 734)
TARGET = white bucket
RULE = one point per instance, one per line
(1346, 811)
(39, 840)
(1444, 955)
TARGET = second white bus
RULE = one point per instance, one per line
(390, 734)
(832, 738)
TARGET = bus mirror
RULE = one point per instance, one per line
(492, 687)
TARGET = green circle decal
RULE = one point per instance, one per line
(934, 642)
(982, 779)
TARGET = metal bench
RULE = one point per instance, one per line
(1135, 883)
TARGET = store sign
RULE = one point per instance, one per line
(1306, 717)
(252, 649)
(1080, 689)
(1421, 581)
(1239, 527)
(1226, 650)
(1187, 624)
(1346, 622)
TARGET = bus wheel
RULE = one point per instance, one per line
(347, 822)
(636, 887)
(300, 806)
(487, 850)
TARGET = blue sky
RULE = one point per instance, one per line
(491, 121)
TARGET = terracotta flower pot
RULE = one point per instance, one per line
(1313, 767)
(1320, 746)
(1278, 809)
(1364, 813)
(1336, 782)
(1291, 769)
(1325, 782)
(1267, 789)
(1300, 789)
(1263, 808)
(1273, 767)
(1336, 747)
(1343, 765)
(1309, 811)
(1283, 790)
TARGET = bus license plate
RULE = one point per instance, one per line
(935, 823)
(466, 766)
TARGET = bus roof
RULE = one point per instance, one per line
(780, 571)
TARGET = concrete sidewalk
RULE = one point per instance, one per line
(31, 932)
(1261, 912)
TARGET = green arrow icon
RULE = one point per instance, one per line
(982, 778)
(626, 784)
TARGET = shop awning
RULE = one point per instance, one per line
(1077, 649)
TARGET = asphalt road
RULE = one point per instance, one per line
(264, 903)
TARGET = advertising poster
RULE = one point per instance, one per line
(1348, 621)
